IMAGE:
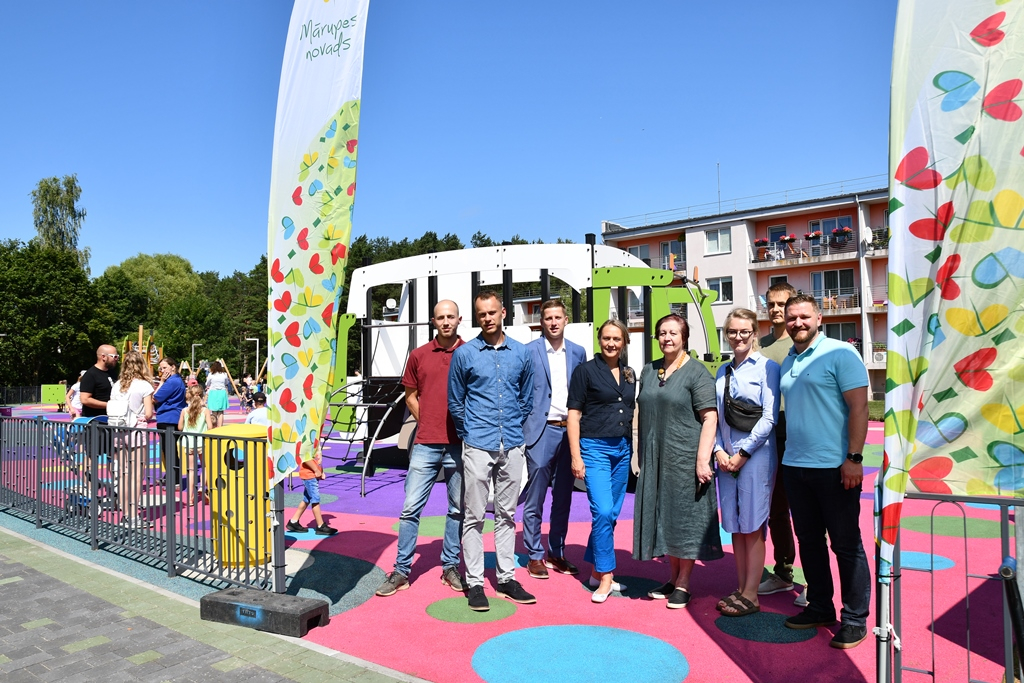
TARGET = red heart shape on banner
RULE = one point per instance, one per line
(284, 303)
(351, 145)
(275, 271)
(987, 33)
(891, 522)
(928, 475)
(314, 264)
(944, 278)
(327, 313)
(999, 102)
(351, 189)
(971, 369)
(291, 334)
(307, 387)
(286, 402)
(303, 240)
(337, 253)
(913, 171)
(933, 228)
(297, 196)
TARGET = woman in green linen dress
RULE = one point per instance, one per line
(676, 504)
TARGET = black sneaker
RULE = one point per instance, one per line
(809, 619)
(513, 590)
(477, 600)
(395, 581)
(662, 592)
(326, 529)
(450, 577)
(679, 599)
(849, 636)
(296, 527)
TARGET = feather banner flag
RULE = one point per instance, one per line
(954, 421)
(312, 190)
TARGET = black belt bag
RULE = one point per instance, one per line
(740, 414)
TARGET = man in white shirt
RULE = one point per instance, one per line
(258, 416)
(548, 462)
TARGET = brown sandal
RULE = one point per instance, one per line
(740, 607)
(727, 600)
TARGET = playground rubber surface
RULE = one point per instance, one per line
(428, 633)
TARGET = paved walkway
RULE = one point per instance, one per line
(65, 619)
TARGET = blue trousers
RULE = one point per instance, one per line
(425, 461)
(607, 463)
(547, 463)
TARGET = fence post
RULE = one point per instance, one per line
(37, 448)
(92, 457)
(277, 542)
(172, 478)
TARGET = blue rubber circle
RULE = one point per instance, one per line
(613, 656)
(915, 560)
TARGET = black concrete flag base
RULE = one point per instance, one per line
(287, 615)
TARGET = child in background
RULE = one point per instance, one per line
(310, 472)
(259, 414)
(196, 418)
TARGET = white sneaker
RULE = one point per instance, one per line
(774, 584)
(616, 586)
(801, 599)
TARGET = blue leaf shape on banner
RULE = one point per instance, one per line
(959, 88)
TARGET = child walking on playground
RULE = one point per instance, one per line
(311, 471)
(196, 418)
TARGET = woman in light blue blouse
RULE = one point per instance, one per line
(746, 459)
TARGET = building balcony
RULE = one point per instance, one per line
(803, 251)
(840, 301)
(879, 299)
(876, 361)
(878, 247)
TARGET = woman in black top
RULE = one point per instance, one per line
(602, 395)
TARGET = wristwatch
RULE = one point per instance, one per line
(855, 458)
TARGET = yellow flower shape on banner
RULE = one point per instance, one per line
(974, 324)
(1004, 417)
(1008, 207)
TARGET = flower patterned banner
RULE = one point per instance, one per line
(312, 190)
(954, 407)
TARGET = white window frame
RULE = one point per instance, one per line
(776, 227)
(666, 250)
(718, 235)
(635, 251)
(715, 285)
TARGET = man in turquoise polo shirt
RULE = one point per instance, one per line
(824, 384)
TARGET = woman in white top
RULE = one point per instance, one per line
(136, 386)
(74, 398)
(217, 384)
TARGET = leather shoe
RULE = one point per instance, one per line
(537, 569)
(561, 565)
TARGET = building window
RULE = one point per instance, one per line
(722, 285)
(641, 251)
(776, 279)
(775, 232)
(718, 241)
(841, 331)
(827, 225)
(672, 255)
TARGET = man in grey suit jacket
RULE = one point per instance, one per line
(547, 444)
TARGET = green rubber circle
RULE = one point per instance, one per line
(433, 527)
(456, 611)
(763, 627)
(954, 526)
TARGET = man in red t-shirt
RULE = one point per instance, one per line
(436, 447)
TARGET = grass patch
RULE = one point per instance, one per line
(876, 411)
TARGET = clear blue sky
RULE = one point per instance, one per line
(537, 118)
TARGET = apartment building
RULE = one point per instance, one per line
(835, 248)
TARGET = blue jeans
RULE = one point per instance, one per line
(607, 463)
(425, 461)
(821, 505)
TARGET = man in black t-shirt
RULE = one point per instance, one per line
(98, 381)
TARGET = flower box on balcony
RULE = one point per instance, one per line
(761, 242)
(812, 235)
(786, 239)
(842, 231)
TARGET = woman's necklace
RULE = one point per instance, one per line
(661, 371)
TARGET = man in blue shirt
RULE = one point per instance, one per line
(824, 382)
(490, 393)
(548, 462)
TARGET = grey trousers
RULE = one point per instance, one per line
(480, 468)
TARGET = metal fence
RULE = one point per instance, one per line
(12, 396)
(196, 505)
(956, 623)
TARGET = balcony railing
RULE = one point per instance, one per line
(836, 300)
(879, 297)
(803, 248)
(879, 239)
